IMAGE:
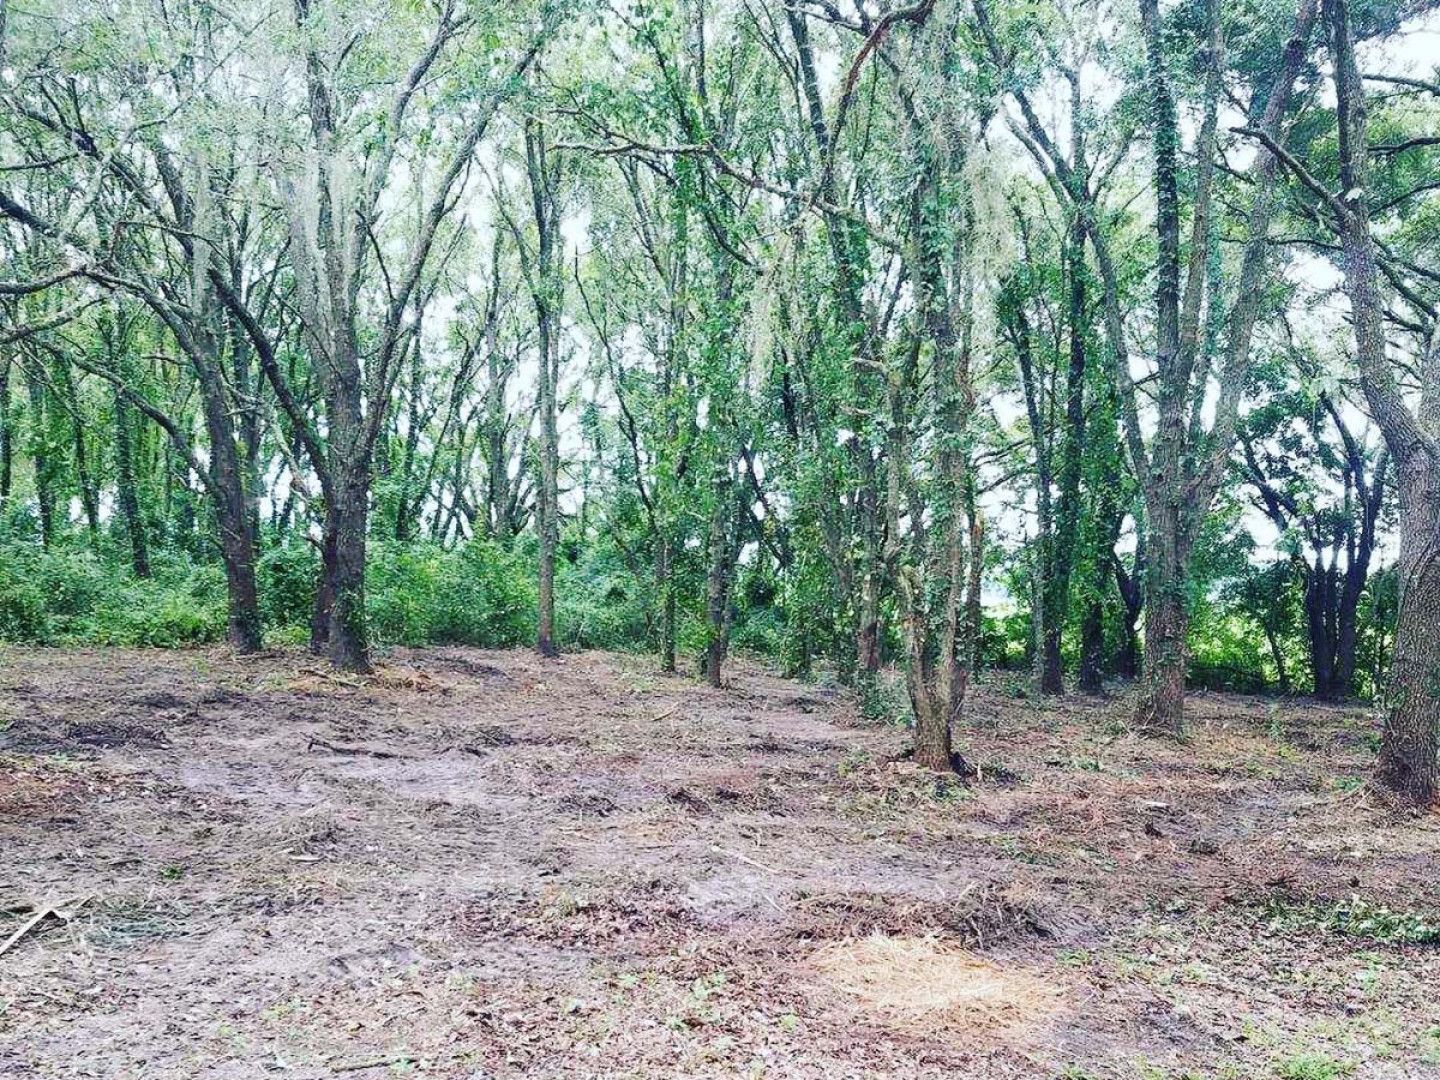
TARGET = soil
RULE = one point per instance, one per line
(484, 864)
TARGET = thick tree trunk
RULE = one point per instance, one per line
(347, 641)
(237, 545)
(1092, 646)
(1052, 662)
(228, 494)
(324, 589)
(1407, 765)
(1161, 707)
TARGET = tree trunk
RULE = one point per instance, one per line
(1092, 645)
(1319, 606)
(324, 589)
(1161, 707)
(666, 588)
(237, 545)
(1067, 524)
(226, 484)
(7, 436)
(867, 634)
(347, 640)
(547, 293)
(89, 493)
(974, 612)
(1407, 766)
(717, 579)
(40, 456)
(1408, 746)
(126, 494)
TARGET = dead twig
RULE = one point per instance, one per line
(372, 1063)
(63, 912)
(330, 676)
(356, 751)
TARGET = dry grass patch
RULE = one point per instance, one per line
(919, 984)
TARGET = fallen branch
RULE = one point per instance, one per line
(330, 676)
(64, 912)
(745, 859)
(356, 751)
(372, 1063)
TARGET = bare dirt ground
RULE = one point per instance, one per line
(480, 864)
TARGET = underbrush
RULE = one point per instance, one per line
(65, 596)
(481, 593)
(1355, 917)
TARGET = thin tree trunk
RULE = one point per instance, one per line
(126, 493)
(7, 433)
(666, 588)
(717, 579)
(89, 494)
(547, 299)
(40, 452)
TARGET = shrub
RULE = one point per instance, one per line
(286, 580)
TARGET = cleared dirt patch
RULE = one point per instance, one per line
(480, 863)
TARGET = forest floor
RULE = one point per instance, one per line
(479, 864)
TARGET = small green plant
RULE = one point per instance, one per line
(884, 701)
(1357, 918)
(1312, 1066)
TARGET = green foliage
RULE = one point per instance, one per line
(1313, 1066)
(1356, 917)
(599, 603)
(69, 596)
(286, 580)
(480, 594)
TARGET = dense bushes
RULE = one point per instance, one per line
(1246, 626)
(70, 596)
(479, 594)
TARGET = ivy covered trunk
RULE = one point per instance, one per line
(1161, 707)
(665, 586)
(1092, 648)
(126, 493)
(717, 579)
